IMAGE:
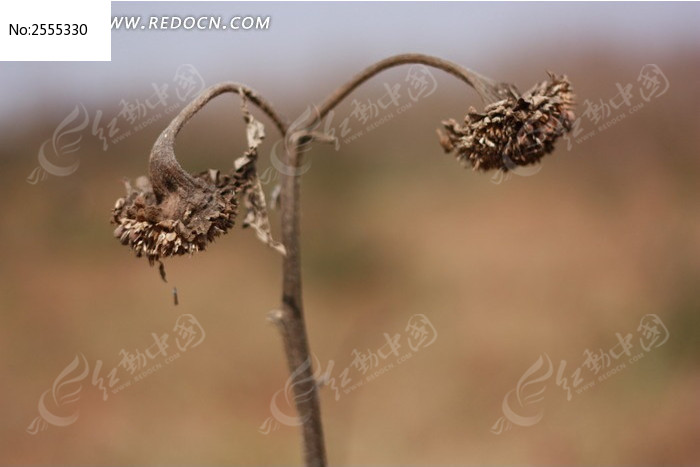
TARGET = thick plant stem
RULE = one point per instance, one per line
(291, 319)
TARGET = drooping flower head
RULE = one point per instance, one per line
(171, 212)
(178, 222)
(514, 131)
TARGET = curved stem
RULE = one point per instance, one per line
(290, 319)
(211, 92)
(484, 86)
(164, 170)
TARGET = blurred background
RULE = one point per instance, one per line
(557, 263)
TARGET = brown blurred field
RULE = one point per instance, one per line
(556, 263)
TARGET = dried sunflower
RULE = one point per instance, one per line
(514, 131)
(171, 212)
(181, 221)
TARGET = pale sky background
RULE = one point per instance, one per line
(310, 42)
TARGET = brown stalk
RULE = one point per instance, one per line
(488, 89)
(291, 320)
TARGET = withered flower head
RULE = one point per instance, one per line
(514, 131)
(171, 212)
(156, 224)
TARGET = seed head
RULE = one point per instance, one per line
(178, 222)
(514, 131)
(171, 212)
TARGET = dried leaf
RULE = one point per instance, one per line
(253, 194)
(257, 218)
(255, 130)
